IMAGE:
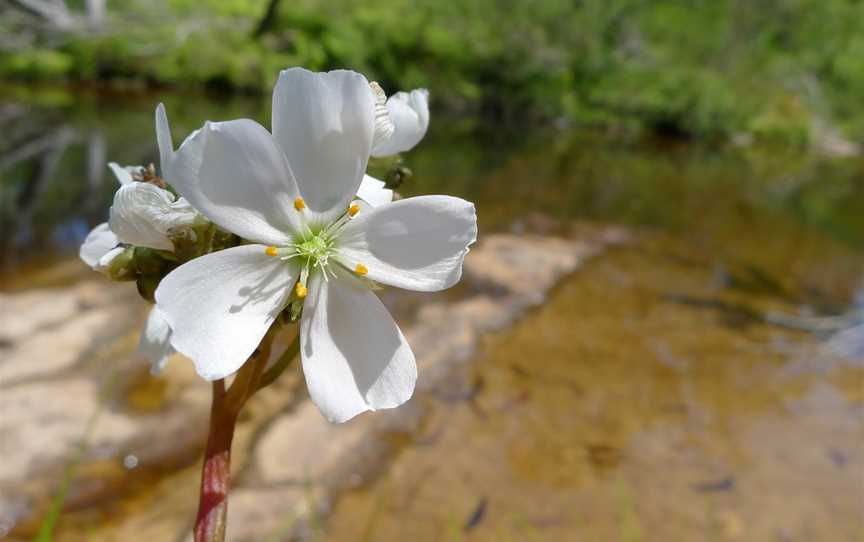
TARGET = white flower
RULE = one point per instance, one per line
(137, 216)
(124, 174)
(100, 246)
(400, 121)
(289, 193)
(142, 214)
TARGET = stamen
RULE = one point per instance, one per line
(361, 269)
(300, 290)
(304, 276)
(299, 204)
(353, 210)
(271, 251)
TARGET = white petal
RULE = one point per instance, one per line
(416, 243)
(354, 356)
(105, 261)
(236, 175)
(97, 244)
(163, 140)
(324, 123)
(143, 213)
(219, 306)
(383, 124)
(155, 343)
(409, 113)
(372, 191)
(123, 173)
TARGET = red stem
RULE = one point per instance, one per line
(216, 472)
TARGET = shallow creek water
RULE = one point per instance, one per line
(645, 401)
(704, 381)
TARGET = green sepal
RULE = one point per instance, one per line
(147, 285)
(123, 267)
(150, 261)
(191, 241)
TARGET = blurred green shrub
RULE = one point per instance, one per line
(698, 68)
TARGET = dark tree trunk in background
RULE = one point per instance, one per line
(266, 22)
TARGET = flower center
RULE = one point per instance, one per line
(314, 249)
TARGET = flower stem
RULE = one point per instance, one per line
(216, 472)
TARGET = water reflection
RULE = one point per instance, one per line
(55, 184)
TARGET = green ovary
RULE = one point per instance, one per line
(314, 251)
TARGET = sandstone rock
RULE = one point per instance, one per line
(308, 438)
(23, 313)
(526, 265)
(278, 511)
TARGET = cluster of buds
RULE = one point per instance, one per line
(148, 266)
(153, 247)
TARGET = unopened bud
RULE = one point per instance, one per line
(123, 266)
(186, 241)
(147, 285)
(193, 240)
(396, 176)
(149, 261)
(296, 310)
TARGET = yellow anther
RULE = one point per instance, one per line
(299, 204)
(300, 290)
(361, 269)
(353, 210)
(271, 251)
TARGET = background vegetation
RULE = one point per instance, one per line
(787, 70)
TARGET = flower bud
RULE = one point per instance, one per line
(396, 176)
(150, 262)
(147, 285)
(190, 241)
(295, 311)
(123, 266)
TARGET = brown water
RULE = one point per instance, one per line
(700, 383)
(645, 401)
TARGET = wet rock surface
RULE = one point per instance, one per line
(66, 359)
(142, 436)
